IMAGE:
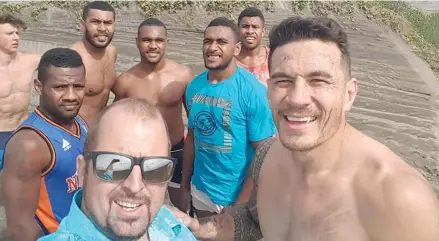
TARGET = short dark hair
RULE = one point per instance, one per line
(225, 22)
(151, 22)
(99, 5)
(251, 12)
(58, 57)
(139, 108)
(14, 21)
(298, 28)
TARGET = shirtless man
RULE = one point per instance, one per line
(98, 22)
(253, 55)
(16, 71)
(162, 82)
(323, 180)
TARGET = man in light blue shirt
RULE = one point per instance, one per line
(229, 116)
(130, 139)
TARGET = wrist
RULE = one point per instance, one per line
(206, 229)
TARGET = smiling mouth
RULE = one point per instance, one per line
(212, 57)
(128, 206)
(299, 120)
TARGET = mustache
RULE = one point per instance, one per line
(127, 195)
(288, 110)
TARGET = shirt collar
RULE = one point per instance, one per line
(165, 226)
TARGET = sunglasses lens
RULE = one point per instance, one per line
(112, 167)
(157, 170)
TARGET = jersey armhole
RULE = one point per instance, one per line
(82, 119)
(49, 144)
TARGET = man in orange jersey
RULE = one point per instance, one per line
(39, 176)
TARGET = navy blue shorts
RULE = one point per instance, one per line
(4, 138)
(177, 153)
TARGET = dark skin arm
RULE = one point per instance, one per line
(26, 157)
(120, 87)
(188, 166)
(187, 78)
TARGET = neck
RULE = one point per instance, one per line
(66, 123)
(323, 158)
(6, 59)
(92, 49)
(149, 67)
(251, 52)
(216, 76)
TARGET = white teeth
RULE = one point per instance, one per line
(301, 119)
(127, 204)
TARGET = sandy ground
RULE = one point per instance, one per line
(397, 101)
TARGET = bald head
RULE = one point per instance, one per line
(125, 123)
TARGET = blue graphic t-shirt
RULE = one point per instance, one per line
(78, 227)
(226, 117)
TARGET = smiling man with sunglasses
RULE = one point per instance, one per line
(124, 174)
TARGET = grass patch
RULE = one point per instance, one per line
(418, 28)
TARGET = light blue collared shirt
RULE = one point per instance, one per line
(76, 226)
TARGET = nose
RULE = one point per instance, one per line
(101, 27)
(299, 94)
(212, 47)
(134, 182)
(153, 44)
(250, 30)
(16, 36)
(70, 94)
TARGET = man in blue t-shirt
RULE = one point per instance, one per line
(124, 174)
(229, 116)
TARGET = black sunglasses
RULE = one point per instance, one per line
(112, 166)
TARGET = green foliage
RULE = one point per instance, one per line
(151, 8)
(12, 8)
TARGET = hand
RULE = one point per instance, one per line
(226, 210)
(187, 220)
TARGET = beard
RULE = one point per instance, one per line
(222, 66)
(112, 226)
(89, 39)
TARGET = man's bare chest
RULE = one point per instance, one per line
(300, 212)
(100, 76)
(157, 91)
(15, 81)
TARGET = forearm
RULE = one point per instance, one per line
(246, 190)
(25, 229)
(237, 225)
(216, 228)
(188, 161)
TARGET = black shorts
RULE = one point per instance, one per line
(177, 153)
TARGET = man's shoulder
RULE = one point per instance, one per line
(382, 173)
(250, 81)
(198, 80)
(177, 71)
